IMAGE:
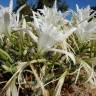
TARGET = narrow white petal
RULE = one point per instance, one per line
(55, 5)
(11, 6)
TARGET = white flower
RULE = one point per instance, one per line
(8, 19)
(49, 36)
(5, 16)
(86, 30)
(51, 16)
(53, 27)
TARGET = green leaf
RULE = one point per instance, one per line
(5, 56)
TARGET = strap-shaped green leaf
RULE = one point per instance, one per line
(5, 56)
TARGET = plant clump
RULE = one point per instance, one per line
(49, 55)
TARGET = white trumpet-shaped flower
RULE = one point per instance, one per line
(49, 36)
(52, 16)
(8, 19)
(5, 16)
(53, 29)
(86, 30)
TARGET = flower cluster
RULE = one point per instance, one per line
(84, 25)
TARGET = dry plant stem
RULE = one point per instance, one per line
(25, 64)
(60, 83)
(3, 82)
(2, 93)
(44, 91)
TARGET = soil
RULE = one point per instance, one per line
(69, 88)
